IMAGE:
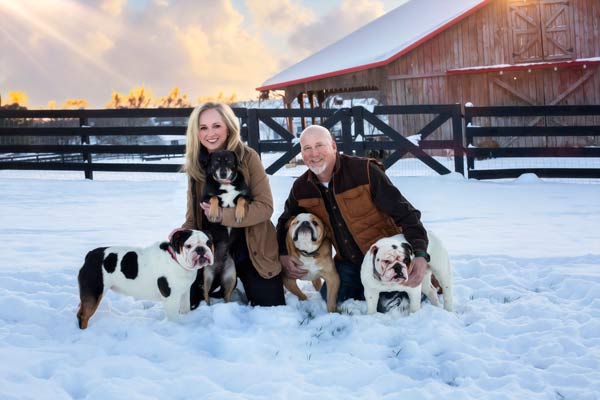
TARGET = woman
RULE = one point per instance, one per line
(214, 127)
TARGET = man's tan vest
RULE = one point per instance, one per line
(352, 194)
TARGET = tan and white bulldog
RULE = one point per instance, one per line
(385, 269)
(308, 240)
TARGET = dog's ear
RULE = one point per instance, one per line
(289, 222)
(236, 160)
(327, 232)
(290, 246)
(407, 249)
(178, 238)
(373, 250)
(204, 161)
(210, 243)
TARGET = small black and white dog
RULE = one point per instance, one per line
(225, 187)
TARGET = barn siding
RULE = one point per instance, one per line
(483, 39)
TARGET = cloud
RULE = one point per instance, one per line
(98, 43)
(279, 16)
(86, 49)
(348, 16)
(113, 7)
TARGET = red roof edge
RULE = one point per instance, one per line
(378, 63)
(519, 67)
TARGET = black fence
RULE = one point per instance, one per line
(83, 140)
(83, 147)
(540, 127)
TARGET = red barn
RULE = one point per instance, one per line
(486, 52)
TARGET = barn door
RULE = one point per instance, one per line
(541, 30)
(557, 29)
(525, 31)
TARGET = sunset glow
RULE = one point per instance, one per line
(59, 50)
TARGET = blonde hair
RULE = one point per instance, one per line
(194, 146)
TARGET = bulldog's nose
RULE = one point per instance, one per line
(200, 250)
(305, 224)
(398, 269)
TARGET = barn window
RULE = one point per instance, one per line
(541, 30)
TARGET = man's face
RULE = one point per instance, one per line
(318, 150)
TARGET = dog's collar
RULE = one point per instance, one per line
(172, 253)
(311, 254)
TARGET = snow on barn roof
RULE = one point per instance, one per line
(379, 42)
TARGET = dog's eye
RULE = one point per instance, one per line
(188, 246)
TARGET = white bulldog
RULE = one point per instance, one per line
(163, 271)
(385, 269)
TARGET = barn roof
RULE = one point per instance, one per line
(379, 42)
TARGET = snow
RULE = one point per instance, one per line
(379, 41)
(526, 259)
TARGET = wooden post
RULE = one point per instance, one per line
(87, 157)
(301, 103)
(457, 133)
(346, 131)
(253, 130)
(311, 101)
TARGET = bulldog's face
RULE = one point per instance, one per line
(307, 232)
(193, 249)
(391, 260)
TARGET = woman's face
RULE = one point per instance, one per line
(212, 130)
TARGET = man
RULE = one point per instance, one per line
(354, 197)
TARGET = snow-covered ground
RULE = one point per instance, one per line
(526, 258)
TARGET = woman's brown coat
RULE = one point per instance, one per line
(260, 232)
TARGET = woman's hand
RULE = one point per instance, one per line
(291, 267)
(206, 208)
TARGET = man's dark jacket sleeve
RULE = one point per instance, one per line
(388, 199)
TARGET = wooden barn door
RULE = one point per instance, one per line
(557, 29)
(526, 38)
(541, 30)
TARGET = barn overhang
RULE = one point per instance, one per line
(582, 62)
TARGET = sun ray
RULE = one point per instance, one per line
(30, 14)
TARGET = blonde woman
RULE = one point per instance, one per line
(214, 127)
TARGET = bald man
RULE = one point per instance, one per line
(358, 203)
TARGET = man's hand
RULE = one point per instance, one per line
(291, 266)
(416, 272)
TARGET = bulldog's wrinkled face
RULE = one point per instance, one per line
(223, 166)
(193, 249)
(306, 231)
(391, 260)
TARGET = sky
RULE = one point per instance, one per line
(525, 256)
(54, 50)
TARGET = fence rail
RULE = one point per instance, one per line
(472, 131)
(358, 131)
(351, 138)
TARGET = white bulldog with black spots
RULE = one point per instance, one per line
(163, 272)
